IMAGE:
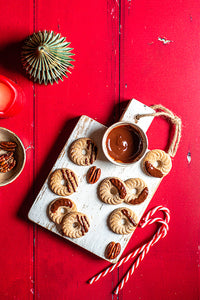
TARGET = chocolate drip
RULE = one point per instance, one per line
(120, 187)
(142, 196)
(70, 180)
(65, 176)
(74, 177)
(88, 144)
(84, 224)
(60, 202)
(93, 152)
(86, 220)
(70, 177)
(152, 170)
(126, 213)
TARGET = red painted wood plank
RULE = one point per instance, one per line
(160, 64)
(16, 251)
(92, 89)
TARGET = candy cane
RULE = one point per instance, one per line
(160, 234)
(141, 251)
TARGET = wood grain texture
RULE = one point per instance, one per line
(16, 234)
(19, 155)
(156, 71)
(92, 89)
(148, 50)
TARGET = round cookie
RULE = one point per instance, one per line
(63, 182)
(112, 191)
(59, 208)
(157, 163)
(75, 225)
(83, 151)
(122, 221)
(137, 191)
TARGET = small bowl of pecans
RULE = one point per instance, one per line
(12, 156)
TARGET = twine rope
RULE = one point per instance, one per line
(165, 112)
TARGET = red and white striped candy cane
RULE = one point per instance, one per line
(143, 250)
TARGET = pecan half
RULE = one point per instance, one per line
(93, 174)
(112, 250)
(5, 157)
(8, 165)
(120, 187)
(8, 146)
(7, 162)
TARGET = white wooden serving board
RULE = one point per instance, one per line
(86, 197)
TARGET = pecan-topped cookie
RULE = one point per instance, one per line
(63, 182)
(112, 190)
(59, 208)
(83, 152)
(75, 225)
(137, 191)
(122, 221)
(157, 163)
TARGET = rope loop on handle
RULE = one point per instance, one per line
(165, 112)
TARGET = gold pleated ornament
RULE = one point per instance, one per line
(46, 57)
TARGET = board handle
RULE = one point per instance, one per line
(143, 115)
(135, 108)
(162, 111)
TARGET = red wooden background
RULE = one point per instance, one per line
(148, 50)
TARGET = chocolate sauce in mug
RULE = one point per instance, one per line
(125, 144)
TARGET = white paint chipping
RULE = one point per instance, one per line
(189, 157)
(164, 40)
(29, 147)
(32, 291)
